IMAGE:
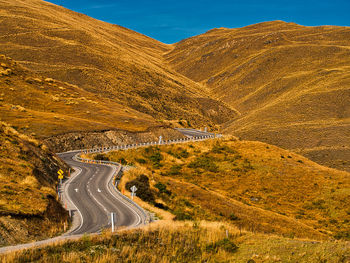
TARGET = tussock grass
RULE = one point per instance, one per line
(253, 185)
(185, 242)
(96, 57)
(289, 82)
(28, 209)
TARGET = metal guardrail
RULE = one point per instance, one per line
(146, 144)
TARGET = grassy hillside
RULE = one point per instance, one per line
(290, 84)
(45, 106)
(253, 185)
(28, 207)
(108, 61)
(186, 242)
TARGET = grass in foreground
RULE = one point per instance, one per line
(185, 242)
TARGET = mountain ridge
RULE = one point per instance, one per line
(289, 83)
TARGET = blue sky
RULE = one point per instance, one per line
(171, 21)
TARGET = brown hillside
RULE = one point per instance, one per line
(254, 185)
(106, 60)
(44, 106)
(289, 82)
(28, 179)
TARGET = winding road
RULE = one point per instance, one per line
(91, 197)
(94, 197)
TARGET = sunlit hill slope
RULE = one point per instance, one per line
(106, 60)
(29, 209)
(289, 82)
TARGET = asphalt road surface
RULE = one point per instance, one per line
(193, 132)
(93, 195)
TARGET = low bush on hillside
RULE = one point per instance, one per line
(205, 163)
(143, 188)
(101, 157)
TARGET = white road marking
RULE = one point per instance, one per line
(66, 185)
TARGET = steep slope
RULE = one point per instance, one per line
(44, 106)
(28, 207)
(289, 82)
(106, 60)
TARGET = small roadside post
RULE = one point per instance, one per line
(133, 191)
(112, 220)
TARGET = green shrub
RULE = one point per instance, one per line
(179, 153)
(143, 188)
(182, 215)
(140, 160)
(218, 148)
(342, 235)
(204, 163)
(162, 188)
(122, 161)
(174, 170)
(101, 157)
(154, 155)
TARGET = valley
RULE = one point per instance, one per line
(238, 141)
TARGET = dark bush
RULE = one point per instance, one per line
(122, 161)
(161, 206)
(143, 188)
(342, 235)
(204, 163)
(218, 148)
(179, 153)
(182, 215)
(174, 170)
(154, 155)
(140, 160)
(101, 157)
(162, 188)
(233, 217)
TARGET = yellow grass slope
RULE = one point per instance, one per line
(185, 242)
(256, 186)
(289, 82)
(45, 106)
(108, 60)
(28, 207)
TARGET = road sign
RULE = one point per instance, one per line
(60, 175)
(133, 189)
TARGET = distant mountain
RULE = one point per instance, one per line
(290, 83)
(105, 60)
(275, 82)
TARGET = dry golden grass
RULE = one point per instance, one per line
(105, 61)
(73, 108)
(28, 209)
(185, 242)
(289, 82)
(257, 186)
